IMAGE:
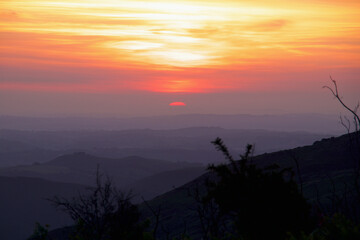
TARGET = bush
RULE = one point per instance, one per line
(103, 214)
(261, 203)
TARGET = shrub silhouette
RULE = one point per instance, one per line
(103, 214)
(260, 203)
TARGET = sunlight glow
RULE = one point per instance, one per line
(179, 57)
(135, 45)
(181, 35)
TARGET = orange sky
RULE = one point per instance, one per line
(199, 46)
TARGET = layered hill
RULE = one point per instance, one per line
(25, 188)
(283, 122)
(187, 144)
(81, 168)
(160, 183)
(330, 159)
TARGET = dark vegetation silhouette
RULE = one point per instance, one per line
(239, 201)
(258, 198)
(342, 220)
(347, 202)
(243, 201)
(105, 213)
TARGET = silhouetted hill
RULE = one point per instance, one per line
(13, 152)
(285, 122)
(13, 146)
(160, 183)
(23, 202)
(189, 144)
(324, 161)
(81, 168)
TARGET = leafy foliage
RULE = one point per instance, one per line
(261, 203)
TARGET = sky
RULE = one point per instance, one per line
(141, 58)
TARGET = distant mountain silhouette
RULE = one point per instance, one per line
(81, 168)
(187, 144)
(283, 122)
(150, 187)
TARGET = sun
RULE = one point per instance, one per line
(177, 104)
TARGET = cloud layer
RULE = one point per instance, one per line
(177, 47)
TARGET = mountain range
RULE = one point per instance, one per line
(177, 145)
(310, 122)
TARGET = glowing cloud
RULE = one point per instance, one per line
(203, 45)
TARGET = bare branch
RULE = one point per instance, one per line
(101, 213)
(346, 124)
(335, 93)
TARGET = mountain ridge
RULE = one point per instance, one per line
(320, 168)
(324, 123)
